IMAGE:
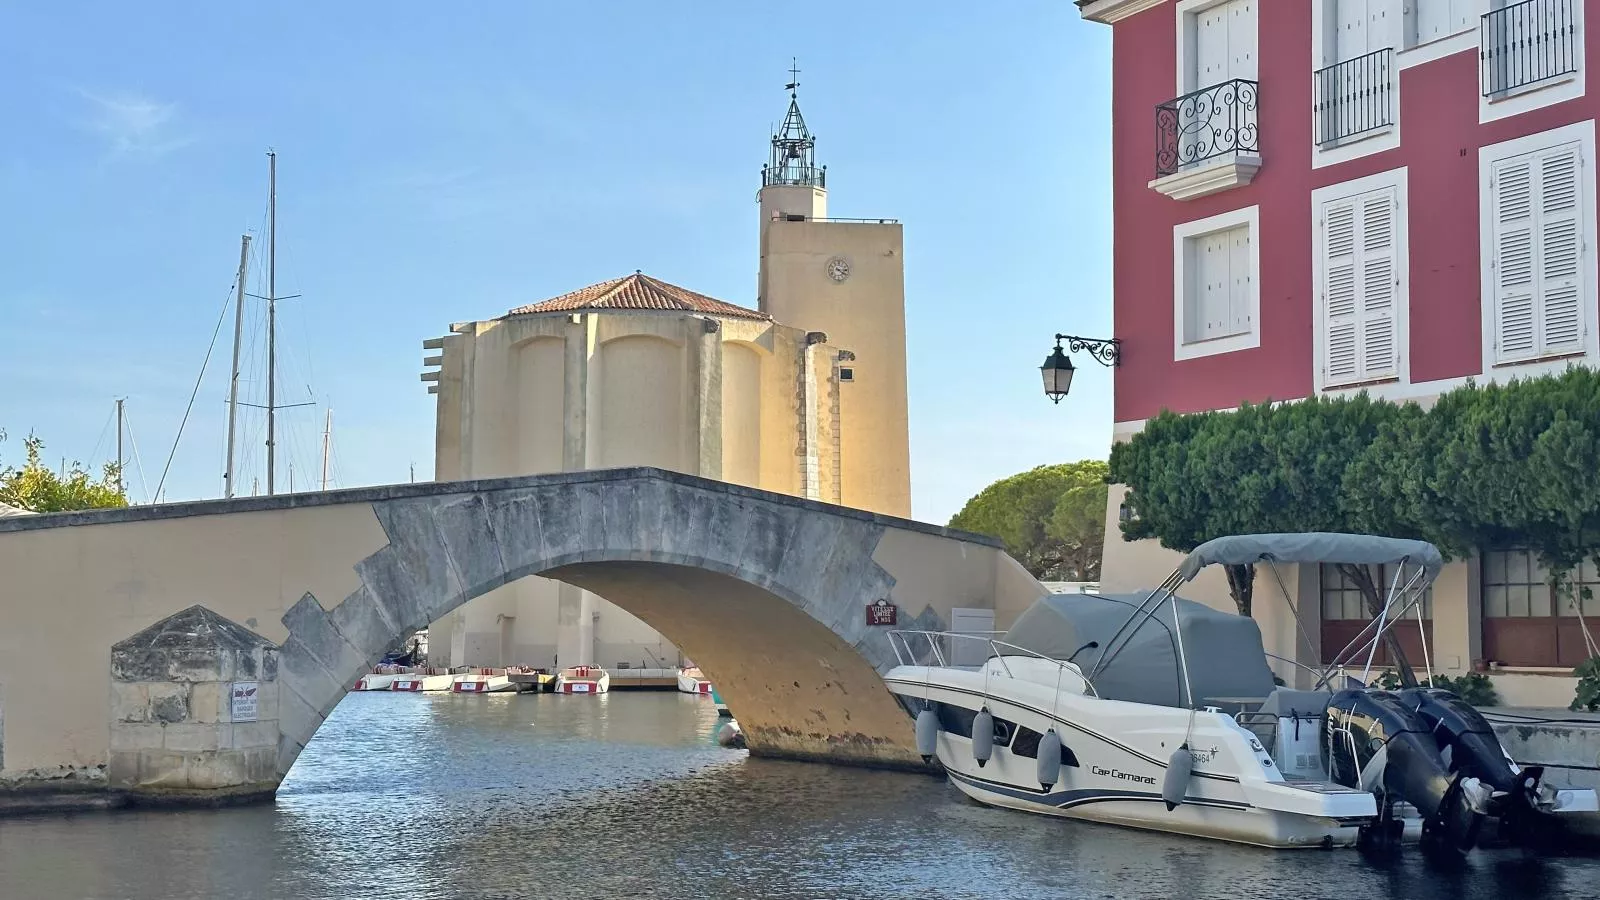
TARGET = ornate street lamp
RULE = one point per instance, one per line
(1058, 369)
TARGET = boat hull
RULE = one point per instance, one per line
(689, 684)
(374, 682)
(583, 684)
(1115, 765)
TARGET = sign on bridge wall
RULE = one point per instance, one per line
(882, 613)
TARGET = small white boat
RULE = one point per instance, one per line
(583, 680)
(483, 681)
(408, 683)
(1172, 722)
(375, 681)
(692, 681)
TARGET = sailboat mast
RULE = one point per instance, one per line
(327, 435)
(120, 488)
(272, 315)
(230, 476)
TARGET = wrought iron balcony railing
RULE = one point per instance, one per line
(1526, 43)
(804, 176)
(1354, 97)
(1208, 123)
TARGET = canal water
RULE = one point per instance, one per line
(627, 795)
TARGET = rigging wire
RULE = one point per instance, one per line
(198, 379)
(138, 461)
(95, 453)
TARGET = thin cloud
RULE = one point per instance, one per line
(132, 124)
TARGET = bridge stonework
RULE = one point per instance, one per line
(767, 593)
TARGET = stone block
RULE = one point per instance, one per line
(305, 676)
(200, 663)
(288, 751)
(266, 701)
(560, 521)
(162, 769)
(415, 537)
(138, 664)
(470, 543)
(392, 588)
(130, 702)
(210, 703)
(513, 516)
(360, 620)
(686, 523)
(122, 769)
(770, 529)
(650, 509)
(806, 558)
(619, 515)
(311, 626)
(169, 702)
(196, 738)
(590, 499)
(137, 736)
(298, 720)
(256, 735)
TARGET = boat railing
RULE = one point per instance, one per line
(905, 655)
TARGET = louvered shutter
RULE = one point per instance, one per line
(1514, 289)
(1340, 322)
(1560, 251)
(1538, 254)
(1379, 286)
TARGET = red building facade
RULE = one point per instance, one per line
(1315, 197)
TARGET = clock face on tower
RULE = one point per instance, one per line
(838, 268)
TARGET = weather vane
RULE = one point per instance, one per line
(794, 77)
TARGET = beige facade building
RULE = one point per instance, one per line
(805, 394)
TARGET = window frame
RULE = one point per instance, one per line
(1507, 635)
(1582, 134)
(1397, 180)
(1526, 98)
(1324, 43)
(1182, 235)
(1336, 632)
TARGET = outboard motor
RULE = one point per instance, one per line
(1468, 745)
(1378, 742)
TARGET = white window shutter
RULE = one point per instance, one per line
(1340, 307)
(1560, 246)
(1241, 286)
(1513, 207)
(1378, 289)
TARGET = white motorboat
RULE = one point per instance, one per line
(1155, 712)
(692, 681)
(483, 681)
(583, 680)
(376, 680)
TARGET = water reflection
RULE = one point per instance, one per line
(627, 795)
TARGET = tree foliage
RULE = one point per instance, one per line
(1051, 518)
(1483, 467)
(36, 488)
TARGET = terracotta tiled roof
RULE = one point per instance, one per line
(638, 291)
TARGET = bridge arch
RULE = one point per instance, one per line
(766, 592)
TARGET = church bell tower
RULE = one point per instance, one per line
(846, 280)
(791, 182)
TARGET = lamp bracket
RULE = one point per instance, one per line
(1107, 352)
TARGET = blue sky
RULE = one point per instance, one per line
(446, 162)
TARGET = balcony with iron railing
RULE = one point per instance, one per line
(1208, 140)
(1528, 44)
(1354, 99)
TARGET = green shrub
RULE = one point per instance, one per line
(1588, 697)
(1474, 688)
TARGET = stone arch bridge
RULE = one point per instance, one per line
(123, 632)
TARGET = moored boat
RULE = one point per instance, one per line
(692, 681)
(530, 679)
(583, 680)
(1160, 713)
(483, 681)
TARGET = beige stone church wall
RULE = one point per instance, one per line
(642, 404)
(741, 413)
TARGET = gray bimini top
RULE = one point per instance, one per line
(1313, 547)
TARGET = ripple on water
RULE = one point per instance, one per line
(628, 795)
